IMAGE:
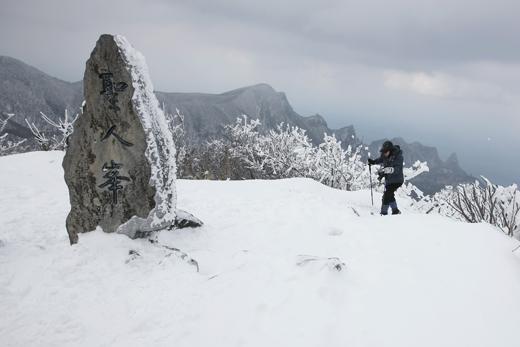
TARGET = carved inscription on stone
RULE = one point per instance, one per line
(120, 165)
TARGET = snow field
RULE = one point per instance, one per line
(407, 280)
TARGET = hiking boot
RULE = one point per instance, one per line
(396, 211)
(384, 210)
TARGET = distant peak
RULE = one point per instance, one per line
(257, 88)
(316, 116)
(9, 60)
(453, 160)
(398, 140)
(261, 86)
(5, 57)
(316, 120)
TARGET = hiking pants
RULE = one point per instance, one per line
(389, 194)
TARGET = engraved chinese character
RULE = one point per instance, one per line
(110, 88)
(111, 132)
(113, 179)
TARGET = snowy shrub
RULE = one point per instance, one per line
(184, 152)
(175, 125)
(286, 153)
(438, 203)
(65, 127)
(244, 153)
(338, 168)
(243, 150)
(217, 161)
(7, 147)
(473, 203)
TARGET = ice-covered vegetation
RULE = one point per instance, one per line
(474, 203)
(6, 146)
(54, 143)
(244, 153)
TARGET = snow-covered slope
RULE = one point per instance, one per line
(268, 257)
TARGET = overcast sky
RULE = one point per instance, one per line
(445, 73)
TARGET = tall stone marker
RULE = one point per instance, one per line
(120, 165)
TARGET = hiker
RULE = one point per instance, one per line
(391, 160)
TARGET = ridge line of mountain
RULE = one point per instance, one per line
(27, 91)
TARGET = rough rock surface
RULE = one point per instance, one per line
(120, 166)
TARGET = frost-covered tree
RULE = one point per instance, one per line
(44, 143)
(244, 148)
(284, 152)
(219, 162)
(494, 204)
(329, 162)
(65, 127)
(7, 147)
(336, 167)
(474, 203)
(438, 203)
(185, 153)
(244, 153)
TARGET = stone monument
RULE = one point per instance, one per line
(120, 165)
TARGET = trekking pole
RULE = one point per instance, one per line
(371, 192)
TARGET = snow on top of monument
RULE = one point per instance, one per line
(160, 151)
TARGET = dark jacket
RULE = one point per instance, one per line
(395, 160)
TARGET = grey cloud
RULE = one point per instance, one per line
(382, 32)
(330, 57)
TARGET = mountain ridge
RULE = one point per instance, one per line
(27, 91)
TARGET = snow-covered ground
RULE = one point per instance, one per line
(268, 255)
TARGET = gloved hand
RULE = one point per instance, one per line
(380, 175)
(388, 170)
(371, 161)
